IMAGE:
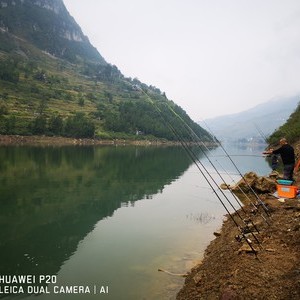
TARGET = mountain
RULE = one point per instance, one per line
(257, 122)
(47, 25)
(54, 82)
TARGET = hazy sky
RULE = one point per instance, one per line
(211, 57)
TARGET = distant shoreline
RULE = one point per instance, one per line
(36, 140)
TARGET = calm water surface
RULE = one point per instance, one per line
(107, 218)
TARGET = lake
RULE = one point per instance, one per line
(85, 222)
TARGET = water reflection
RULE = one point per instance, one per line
(51, 198)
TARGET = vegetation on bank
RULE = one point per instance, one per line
(43, 95)
(289, 130)
(48, 94)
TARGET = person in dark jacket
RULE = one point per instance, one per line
(287, 154)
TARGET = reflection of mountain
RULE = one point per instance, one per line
(52, 197)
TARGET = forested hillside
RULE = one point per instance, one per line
(290, 130)
(54, 82)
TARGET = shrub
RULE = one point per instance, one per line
(79, 126)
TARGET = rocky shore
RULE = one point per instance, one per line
(231, 270)
(64, 141)
(33, 140)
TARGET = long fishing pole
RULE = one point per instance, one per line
(239, 203)
(246, 182)
(196, 161)
(235, 197)
(239, 155)
(274, 157)
(261, 133)
(190, 130)
(209, 174)
(241, 190)
(192, 156)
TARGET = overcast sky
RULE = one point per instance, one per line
(211, 57)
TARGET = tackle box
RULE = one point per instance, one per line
(287, 191)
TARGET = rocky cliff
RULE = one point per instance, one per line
(48, 25)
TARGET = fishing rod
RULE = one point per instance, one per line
(234, 196)
(190, 130)
(239, 155)
(274, 157)
(261, 203)
(237, 186)
(194, 159)
(261, 133)
(249, 220)
(197, 162)
(241, 190)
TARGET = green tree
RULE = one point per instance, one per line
(10, 125)
(55, 125)
(39, 125)
(3, 109)
(79, 126)
(9, 72)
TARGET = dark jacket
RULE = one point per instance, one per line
(287, 154)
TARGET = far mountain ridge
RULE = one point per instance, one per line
(263, 119)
